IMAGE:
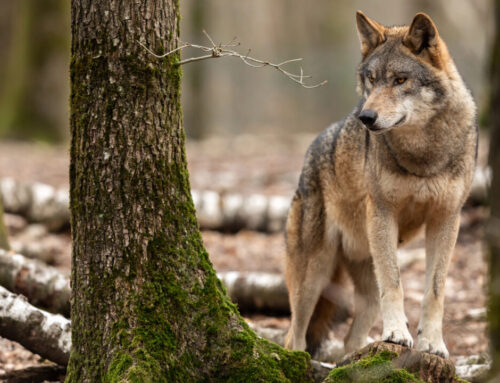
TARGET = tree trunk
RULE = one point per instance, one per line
(197, 116)
(146, 305)
(34, 94)
(4, 241)
(493, 231)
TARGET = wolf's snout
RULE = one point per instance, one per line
(368, 117)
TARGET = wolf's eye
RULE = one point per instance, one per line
(399, 80)
(371, 79)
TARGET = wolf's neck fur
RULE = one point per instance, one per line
(437, 145)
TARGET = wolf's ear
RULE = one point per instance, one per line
(422, 34)
(371, 33)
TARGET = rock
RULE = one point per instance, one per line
(473, 368)
(330, 351)
(473, 372)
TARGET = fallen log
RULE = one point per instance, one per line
(45, 334)
(47, 287)
(35, 374)
(37, 202)
(43, 285)
(473, 368)
(215, 211)
(255, 291)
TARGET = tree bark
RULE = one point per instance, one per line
(147, 305)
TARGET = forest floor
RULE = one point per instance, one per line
(267, 165)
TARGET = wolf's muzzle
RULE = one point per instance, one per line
(368, 117)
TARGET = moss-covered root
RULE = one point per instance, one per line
(254, 359)
(391, 363)
(244, 358)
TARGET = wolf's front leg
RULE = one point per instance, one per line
(441, 235)
(383, 236)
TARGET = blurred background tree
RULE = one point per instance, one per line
(4, 241)
(34, 79)
(493, 232)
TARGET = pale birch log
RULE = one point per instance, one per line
(37, 202)
(255, 291)
(43, 285)
(45, 334)
(215, 211)
(35, 374)
(47, 287)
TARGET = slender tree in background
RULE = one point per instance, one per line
(147, 305)
(197, 116)
(493, 230)
(34, 90)
(4, 242)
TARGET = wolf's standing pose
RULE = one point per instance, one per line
(404, 159)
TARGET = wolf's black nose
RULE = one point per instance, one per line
(368, 116)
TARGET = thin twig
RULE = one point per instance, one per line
(223, 50)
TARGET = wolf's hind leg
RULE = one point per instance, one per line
(309, 265)
(305, 285)
(331, 305)
(366, 303)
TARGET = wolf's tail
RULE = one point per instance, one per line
(332, 306)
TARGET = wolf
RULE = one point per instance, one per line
(401, 162)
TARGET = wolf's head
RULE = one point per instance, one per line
(404, 74)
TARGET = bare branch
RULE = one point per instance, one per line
(192, 59)
(165, 54)
(223, 50)
(209, 38)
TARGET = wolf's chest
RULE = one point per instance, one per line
(441, 191)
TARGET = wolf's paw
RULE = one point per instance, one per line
(398, 336)
(437, 347)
